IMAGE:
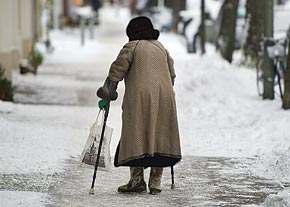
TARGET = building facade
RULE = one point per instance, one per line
(19, 28)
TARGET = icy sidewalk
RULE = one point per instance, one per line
(220, 116)
(200, 181)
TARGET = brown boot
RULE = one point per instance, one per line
(155, 180)
(136, 182)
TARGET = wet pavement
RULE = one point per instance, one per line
(200, 181)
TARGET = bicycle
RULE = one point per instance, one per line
(277, 53)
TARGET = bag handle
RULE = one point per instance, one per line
(98, 116)
(97, 120)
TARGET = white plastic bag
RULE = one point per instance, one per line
(90, 151)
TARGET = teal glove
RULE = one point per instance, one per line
(102, 104)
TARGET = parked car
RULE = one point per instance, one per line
(188, 27)
(190, 21)
(161, 16)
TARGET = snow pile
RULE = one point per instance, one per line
(85, 12)
(212, 6)
(220, 113)
(36, 139)
(9, 108)
(274, 166)
(281, 199)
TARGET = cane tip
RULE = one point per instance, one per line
(172, 186)
(92, 191)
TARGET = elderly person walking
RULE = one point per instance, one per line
(150, 136)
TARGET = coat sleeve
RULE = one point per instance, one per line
(121, 65)
(171, 67)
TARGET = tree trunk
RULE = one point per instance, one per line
(226, 38)
(268, 72)
(255, 23)
(286, 98)
(202, 28)
(132, 7)
(177, 6)
(280, 2)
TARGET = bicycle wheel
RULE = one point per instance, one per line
(260, 76)
(280, 74)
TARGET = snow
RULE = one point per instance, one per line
(221, 99)
(22, 198)
(281, 21)
(34, 138)
(219, 111)
(85, 12)
(281, 199)
(212, 6)
(274, 165)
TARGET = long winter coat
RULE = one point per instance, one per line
(150, 135)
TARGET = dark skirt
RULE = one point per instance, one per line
(148, 160)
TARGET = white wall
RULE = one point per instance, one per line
(6, 25)
(58, 10)
(26, 15)
(16, 30)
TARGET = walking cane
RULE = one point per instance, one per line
(172, 178)
(106, 106)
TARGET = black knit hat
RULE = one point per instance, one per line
(141, 28)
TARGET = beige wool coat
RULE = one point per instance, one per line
(150, 135)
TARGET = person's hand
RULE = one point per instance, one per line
(108, 90)
(103, 93)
